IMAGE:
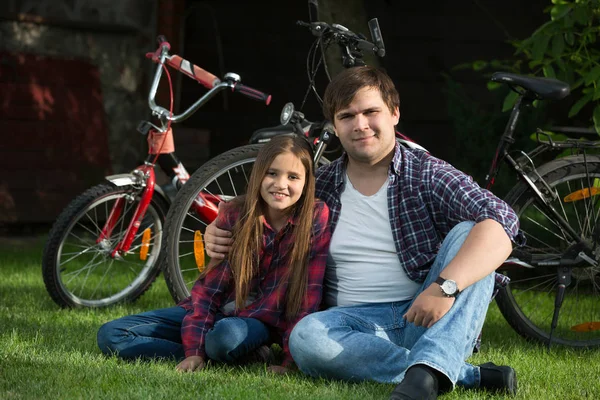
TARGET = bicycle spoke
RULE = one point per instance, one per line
(90, 265)
(232, 184)
(102, 279)
(98, 229)
(75, 256)
(189, 214)
(577, 218)
(563, 237)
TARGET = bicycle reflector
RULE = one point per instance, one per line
(582, 194)
(199, 250)
(586, 327)
(145, 244)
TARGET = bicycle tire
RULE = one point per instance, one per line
(527, 303)
(180, 268)
(78, 272)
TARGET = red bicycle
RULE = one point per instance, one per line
(103, 248)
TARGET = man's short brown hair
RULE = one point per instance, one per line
(343, 87)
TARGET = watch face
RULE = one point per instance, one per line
(449, 287)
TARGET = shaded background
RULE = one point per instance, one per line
(74, 81)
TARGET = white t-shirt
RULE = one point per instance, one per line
(362, 265)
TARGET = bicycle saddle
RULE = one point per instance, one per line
(264, 134)
(541, 88)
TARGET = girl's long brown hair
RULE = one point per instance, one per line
(248, 230)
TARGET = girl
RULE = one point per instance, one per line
(272, 278)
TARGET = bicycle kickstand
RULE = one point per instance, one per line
(564, 280)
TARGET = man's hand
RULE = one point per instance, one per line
(429, 307)
(217, 242)
(191, 364)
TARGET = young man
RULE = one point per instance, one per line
(410, 271)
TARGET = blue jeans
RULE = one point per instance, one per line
(157, 334)
(374, 342)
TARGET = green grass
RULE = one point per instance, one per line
(47, 352)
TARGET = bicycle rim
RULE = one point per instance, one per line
(529, 301)
(87, 274)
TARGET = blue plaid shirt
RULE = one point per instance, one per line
(427, 197)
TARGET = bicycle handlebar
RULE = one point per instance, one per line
(344, 36)
(252, 93)
(203, 77)
(208, 80)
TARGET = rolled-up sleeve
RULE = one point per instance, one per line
(458, 198)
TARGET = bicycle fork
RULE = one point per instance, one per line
(145, 178)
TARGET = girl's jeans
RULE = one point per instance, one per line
(374, 342)
(157, 334)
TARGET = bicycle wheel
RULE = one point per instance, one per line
(78, 270)
(224, 177)
(528, 301)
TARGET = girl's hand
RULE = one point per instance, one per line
(191, 364)
(278, 369)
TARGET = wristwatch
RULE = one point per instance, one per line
(448, 287)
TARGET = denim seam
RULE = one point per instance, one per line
(129, 329)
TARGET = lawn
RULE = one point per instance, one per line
(47, 352)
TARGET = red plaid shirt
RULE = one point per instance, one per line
(217, 288)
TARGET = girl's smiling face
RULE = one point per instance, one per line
(282, 185)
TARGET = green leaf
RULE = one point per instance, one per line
(567, 22)
(558, 137)
(558, 45)
(509, 100)
(538, 31)
(593, 75)
(533, 64)
(493, 85)
(570, 38)
(579, 105)
(479, 65)
(559, 11)
(549, 71)
(597, 119)
(582, 15)
(578, 83)
(463, 66)
(540, 45)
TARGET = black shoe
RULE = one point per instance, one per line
(419, 383)
(498, 378)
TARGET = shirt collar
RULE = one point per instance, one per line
(292, 220)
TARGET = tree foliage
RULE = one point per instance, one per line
(566, 47)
